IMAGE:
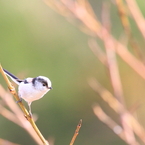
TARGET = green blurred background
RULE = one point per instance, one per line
(34, 40)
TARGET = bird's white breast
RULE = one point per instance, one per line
(29, 93)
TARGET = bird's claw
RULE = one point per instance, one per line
(20, 100)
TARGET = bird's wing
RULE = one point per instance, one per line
(14, 78)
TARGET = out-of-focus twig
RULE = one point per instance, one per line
(122, 8)
(97, 51)
(114, 75)
(83, 13)
(15, 114)
(8, 114)
(111, 56)
(137, 15)
(94, 26)
(118, 130)
(76, 132)
(118, 107)
(5, 142)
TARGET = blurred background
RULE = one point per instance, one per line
(35, 40)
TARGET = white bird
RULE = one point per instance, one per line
(31, 89)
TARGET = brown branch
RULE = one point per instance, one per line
(29, 118)
(15, 114)
(76, 132)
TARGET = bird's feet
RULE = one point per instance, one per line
(20, 100)
(30, 114)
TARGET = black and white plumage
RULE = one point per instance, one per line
(31, 89)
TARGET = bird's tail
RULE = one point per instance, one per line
(14, 78)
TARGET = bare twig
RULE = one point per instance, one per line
(15, 114)
(115, 77)
(122, 8)
(94, 26)
(118, 107)
(97, 51)
(29, 118)
(137, 15)
(76, 132)
(82, 11)
(118, 130)
(5, 142)
(108, 121)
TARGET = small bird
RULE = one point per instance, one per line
(31, 89)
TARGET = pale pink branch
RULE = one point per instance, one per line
(21, 120)
(6, 142)
(96, 28)
(97, 51)
(134, 63)
(137, 15)
(117, 87)
(106, 96)
(9, 100)
(118, 107)
(111, 54)
(118, 130)
(9, 115)
(128, 129)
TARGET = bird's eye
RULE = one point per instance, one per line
(44, 84)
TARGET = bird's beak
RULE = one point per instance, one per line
(50, 88)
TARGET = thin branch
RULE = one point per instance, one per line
(16, 115)
(9, 115)
(76, 132)
(137, 15)
(115, 76)
(97, 51)
(122, 9)
(29, 118)
(111, 55)
(95, 27)
(118, 107)
(5, 142)
(117, 129)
